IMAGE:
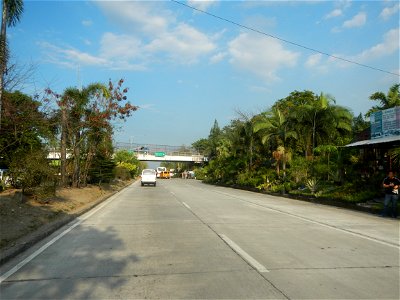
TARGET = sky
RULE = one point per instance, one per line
(185, 68)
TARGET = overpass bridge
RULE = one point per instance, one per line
(160, 153)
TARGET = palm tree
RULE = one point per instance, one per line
(390, 100)
(273, 127)
(74, 109)
(11, 14)
(245, 133)
(321, 122)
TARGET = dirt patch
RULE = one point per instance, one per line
(20, 215)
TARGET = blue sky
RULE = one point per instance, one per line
(185, 68)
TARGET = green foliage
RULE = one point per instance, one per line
(201, 173)
(102, 169)
(30, 170)
(127, 165)
(300, 169)
(122, 173)
(202, 145)
(312, 185)
(391, 99)
(249, 179)
(24, 126)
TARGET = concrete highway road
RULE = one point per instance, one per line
(184, 240)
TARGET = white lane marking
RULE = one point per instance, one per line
(187, 206)
(55, 239)
(254, 263)
(258, 206)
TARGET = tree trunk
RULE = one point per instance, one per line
(284, 165)
(277, 167)
(313, 136)
(251, 153)
(328, 166)
(63, 150)
(88, 162)
(3, 62)
(77, 161)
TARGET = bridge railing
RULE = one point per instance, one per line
(153, 148)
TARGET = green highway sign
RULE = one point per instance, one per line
(159, 154)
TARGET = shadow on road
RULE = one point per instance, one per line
(79, 265)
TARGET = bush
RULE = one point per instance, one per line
(299, 169)
(31, 170)
(101, 170)
(122, 173)
(248, 179)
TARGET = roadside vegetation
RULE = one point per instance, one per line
(297, 147)
(75, 126)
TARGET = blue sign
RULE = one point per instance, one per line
(385, 123)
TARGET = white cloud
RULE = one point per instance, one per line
(218, 57)
(184, 44)
(86, 41)
(389, 45)
(358, 20)
(87, 23)
(313, 60)
(201, 4)
(334, 13)
(150, 34)
(387, 12)
(261, 56)
(119, 46)
(137, 16)
(69, 56)
(154, 32)
(316, 62)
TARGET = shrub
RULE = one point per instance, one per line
(312, 185)
(122, 173)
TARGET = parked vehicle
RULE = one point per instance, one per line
(148, 177)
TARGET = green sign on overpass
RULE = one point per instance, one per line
(159, 154)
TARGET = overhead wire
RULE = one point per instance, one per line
(284, 40)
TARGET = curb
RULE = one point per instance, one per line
(322, 201)
(44, 231)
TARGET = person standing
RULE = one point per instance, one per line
(391, 185)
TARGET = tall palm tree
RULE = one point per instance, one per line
(390, 100)
(273, 127)
(321, 121)
(11, 15)
(74, 107)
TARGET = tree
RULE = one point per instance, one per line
(213, 138)
(201, 145)
(390, 100)
(25, 128)
(74, 104)
(11, 13)
(128, 161)
(86, 126)
(273, 128)
(320, 121)
(359, 126)
(245, 126)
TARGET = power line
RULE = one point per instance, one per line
(284, 40)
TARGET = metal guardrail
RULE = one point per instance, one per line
(153, 148)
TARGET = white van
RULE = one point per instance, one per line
(148, 177)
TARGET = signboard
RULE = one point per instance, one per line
(385, 123)
(159, 154)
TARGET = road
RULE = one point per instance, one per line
(184, 240)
